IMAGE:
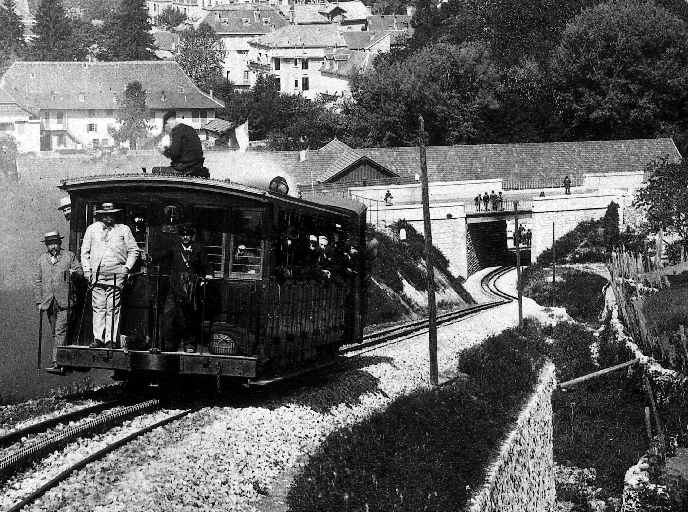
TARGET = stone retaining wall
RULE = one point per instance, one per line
(522, 476)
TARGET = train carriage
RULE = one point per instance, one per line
(287, 287)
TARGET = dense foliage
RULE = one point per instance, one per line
(427, 450)
(54, 39)
(132, 115)
(12, 42)
(201, 55)
(665, 198)
(129, 36)
(170, 17)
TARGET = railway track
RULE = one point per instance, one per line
(114, 413)
(401, 331)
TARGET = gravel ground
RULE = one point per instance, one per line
(243, 458)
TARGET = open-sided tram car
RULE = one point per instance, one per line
(292, 297)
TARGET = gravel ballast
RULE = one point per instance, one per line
(239, 458)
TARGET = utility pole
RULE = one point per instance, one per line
(517, 243)
(554, 263)
(432, 320)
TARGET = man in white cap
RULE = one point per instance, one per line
(66, 207)
(108, 252)
(52, 287)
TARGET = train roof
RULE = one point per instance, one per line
(81, 184)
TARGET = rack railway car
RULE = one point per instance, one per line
(287, 287)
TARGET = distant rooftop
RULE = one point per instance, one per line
(251, 19)
(96, 85)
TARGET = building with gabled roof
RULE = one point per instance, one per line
(77, 102)
(237, 24)
(340, 67)
(294, 55)
(367, 41)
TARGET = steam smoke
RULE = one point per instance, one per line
(252, 169)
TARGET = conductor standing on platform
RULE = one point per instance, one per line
(182, 145)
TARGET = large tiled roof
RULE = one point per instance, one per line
(305, 14)
(306, 36)
(516, 162)
(352, 10)
(362, 40)
(241, 19)
(350, 63)
(525, 161)
(9, 108)
(96, 85)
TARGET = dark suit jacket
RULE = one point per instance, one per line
(193, 261)
(185, 150)
(52, 281)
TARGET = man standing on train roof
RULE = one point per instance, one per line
(52, 289)
(181, 320)
(108, 253)
(183, 146)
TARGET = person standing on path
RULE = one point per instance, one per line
(477, 200)
(52, 290)
(486, 200)
(567, 185)
(108, 253)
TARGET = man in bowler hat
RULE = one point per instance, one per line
(52, 290)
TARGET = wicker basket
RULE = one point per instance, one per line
(223, 345)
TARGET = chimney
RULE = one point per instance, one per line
(211, 93)
(410, 10)
(292, 14)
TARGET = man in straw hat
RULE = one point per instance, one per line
(52, 287)
(108, 253)
(66, 207)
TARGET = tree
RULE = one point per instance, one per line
(129, 36)
(12, 36)
(53, 31)
(170, 17)
(449, 85)
(665, 198)
(610, 223)
(621, 72)
(201, 54)
(132, 115)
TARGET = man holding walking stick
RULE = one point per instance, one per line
(52, 290)
(108, 253)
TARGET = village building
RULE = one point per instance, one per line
(77, 102)
(237, 24)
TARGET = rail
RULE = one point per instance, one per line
(505, 205)
(538, 183)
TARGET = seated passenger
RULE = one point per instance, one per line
(183, 146)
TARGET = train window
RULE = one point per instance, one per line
(210, 222)
(247, 242)
(136, 217)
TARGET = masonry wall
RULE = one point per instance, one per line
(562, 213)
(439, 191)
(448, 228)
(522, 476)
(619, 180)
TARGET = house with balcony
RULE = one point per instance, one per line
(77, 102)
(237, 24)
(294, 55)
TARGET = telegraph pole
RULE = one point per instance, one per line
(554, 263)
(517, 243)
(432, 320)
